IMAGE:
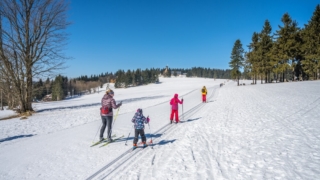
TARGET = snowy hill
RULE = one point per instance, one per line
(268, 131)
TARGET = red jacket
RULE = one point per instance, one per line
(174, 102)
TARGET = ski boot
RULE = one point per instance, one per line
(134, 146)
(144, 144)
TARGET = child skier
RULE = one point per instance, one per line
(174, 108)
(139, 120)
(204, 94)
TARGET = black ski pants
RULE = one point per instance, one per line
(136, 135)
(106, 120)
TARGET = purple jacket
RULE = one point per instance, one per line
(108, 101)
(139, 120)
(174, 102)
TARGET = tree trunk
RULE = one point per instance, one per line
(255, 78)
(266, 78)
(29, 91)
(270, 77)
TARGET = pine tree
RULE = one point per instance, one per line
(287, 46)
(236, 60)
(266, 44)
(311, 36)
(57, 89)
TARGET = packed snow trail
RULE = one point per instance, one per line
(53, 151)
(122, 159)
(240, 136)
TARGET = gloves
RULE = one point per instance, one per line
(182, 100)
(148, 119)
(120, 104)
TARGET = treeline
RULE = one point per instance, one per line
(62, 87)
(205, 72)
(140, 77)
(291, 53)
(136, 77)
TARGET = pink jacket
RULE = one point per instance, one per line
(108, 101)
(174, 102)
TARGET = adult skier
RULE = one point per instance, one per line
(174, 108)
(107, 103)
(139, 120)
(204, 94)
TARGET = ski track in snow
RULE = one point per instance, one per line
(277, 143)
(121, 162)
(268, 131)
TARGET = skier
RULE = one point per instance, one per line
(107, 103)
(174, 108)
(204, 94)
(139, 120)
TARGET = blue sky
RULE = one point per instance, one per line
(108, 35)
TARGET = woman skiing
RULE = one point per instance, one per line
(139, 120)
(204, 94)
(107, 103)
(174, 108)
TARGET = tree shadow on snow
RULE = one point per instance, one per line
(190, 120)
(15, 137)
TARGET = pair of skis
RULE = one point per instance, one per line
(114, 140)
(106, 142)
(142, 147)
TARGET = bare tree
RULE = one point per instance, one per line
(32, 38)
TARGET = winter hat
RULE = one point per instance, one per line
(109, 91)
(139, 110)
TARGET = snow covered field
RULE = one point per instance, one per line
(6, 113)
(269, 131)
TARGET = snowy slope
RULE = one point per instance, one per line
(266, 131)
(6, 113)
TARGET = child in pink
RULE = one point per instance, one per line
(174, 108)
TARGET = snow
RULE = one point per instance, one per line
(268, 131)
(6, 113)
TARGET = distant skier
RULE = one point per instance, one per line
(107, 103)
(174, 108)
(139, 120)
(204, 94)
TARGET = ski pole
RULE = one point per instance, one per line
(109, 135)
(96, 134)
(150, 136)
(117, 113)
(128, 136)
(182, 112)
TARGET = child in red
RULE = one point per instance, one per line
(174, 108)
(204, 94)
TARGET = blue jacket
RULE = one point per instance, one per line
(139, 120)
